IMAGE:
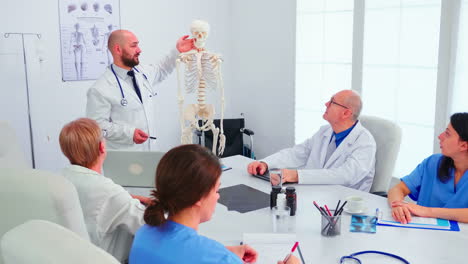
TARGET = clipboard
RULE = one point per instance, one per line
(453, 226)
(420, 223)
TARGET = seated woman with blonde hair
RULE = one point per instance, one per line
(440, 183)
(111, 214)
(187, 184)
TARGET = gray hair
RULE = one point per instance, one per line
(354, 102)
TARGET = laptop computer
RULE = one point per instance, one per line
(132, 168)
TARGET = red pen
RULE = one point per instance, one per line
(328, 210)
(292, 251)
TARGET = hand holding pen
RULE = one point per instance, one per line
(140, 136)
(292, 251)
(290, 259)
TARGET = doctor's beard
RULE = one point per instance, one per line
(130, 61)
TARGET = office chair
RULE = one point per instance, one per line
(234, 130)
(387, 137)
(11, 155)
(44, 242)
(27, 194)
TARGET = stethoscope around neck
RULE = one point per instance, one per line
(124, 101)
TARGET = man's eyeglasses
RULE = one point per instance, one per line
(333, 102)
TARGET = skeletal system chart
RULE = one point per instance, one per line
(85, 27)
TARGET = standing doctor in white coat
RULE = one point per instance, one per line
(342, 152)
(122, 100)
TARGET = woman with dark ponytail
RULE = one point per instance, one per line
(187, 183)
(440, 183)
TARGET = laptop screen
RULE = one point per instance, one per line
(132, 168)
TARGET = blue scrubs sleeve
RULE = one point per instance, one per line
(414, 179)
(424, 175)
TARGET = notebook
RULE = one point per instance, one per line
(270, 247)
(386, 219)
(132, 168)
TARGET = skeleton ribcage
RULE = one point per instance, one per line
(209, 72)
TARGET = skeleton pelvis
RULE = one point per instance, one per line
(193, 112)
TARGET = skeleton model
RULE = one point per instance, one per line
(202, 72)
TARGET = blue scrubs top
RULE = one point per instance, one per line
(429, 191)
(175, 243)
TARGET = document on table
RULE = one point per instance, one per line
(419, 222)
(270, 247)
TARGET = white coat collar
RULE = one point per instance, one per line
(348, 141)
(82, 170)
(121, 72)
(125, 82)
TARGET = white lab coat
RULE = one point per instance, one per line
(352, 164)
(111, 215)
(119, 122)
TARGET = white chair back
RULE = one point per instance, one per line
(43, 242)
(27, 194)
(387, 136)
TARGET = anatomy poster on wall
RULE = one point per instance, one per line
(85, 27)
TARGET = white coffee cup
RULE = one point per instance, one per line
(355, 204)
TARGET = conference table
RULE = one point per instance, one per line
(415, 245)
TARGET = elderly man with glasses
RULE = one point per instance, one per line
(342, 152)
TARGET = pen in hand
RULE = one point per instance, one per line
(292, 251)
(152, 137)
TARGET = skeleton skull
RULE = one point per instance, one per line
(200, 30)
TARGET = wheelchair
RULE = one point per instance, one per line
(234, 130)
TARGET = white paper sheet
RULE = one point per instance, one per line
(270, 247)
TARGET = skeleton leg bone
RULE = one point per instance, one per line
(215, 131)
(222, 144)
(187, 136)
(189, 115)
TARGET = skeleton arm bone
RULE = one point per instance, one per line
(222, 137)
(180, 96)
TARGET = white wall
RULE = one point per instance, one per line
(257, 45)
(263, 53)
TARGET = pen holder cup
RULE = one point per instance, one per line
(331, 225)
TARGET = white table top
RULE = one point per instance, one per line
(415, 245)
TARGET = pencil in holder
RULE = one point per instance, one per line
(331, 225)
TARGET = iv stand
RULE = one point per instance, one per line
(7, 35)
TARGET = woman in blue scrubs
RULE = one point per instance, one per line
(187, 184)
(439, 184)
